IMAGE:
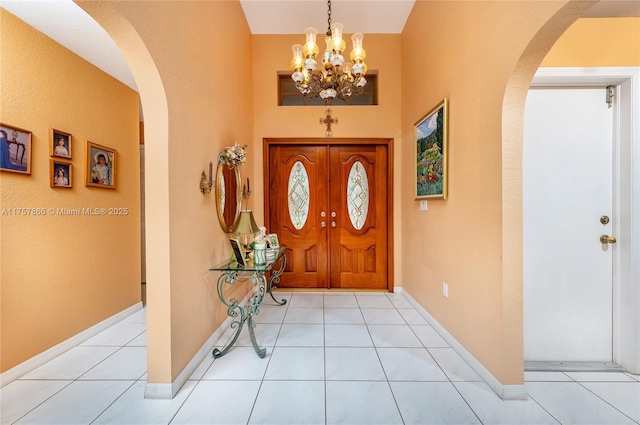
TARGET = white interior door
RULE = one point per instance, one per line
(567, 188)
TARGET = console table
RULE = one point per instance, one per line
(231, 272)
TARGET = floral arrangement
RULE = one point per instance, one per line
(234, 156)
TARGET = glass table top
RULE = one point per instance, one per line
(232, 265)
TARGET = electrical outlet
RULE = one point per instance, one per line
(445, 289)
(423, 205)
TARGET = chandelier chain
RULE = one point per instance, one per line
(329, 17)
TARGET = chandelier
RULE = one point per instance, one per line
(334, 77)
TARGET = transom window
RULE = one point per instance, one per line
(288, 94)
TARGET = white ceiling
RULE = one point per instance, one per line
(72, 27)
(69, 25)
(293, 16)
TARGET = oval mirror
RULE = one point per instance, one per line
(228, 199)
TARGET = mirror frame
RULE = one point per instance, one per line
(219, 178)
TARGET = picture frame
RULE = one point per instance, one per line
(99, 166)
(59, 143)
(273, 240)
(430, 131)
(237, 252)
(60, 174)
(15, 149)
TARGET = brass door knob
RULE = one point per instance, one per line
(605, 239)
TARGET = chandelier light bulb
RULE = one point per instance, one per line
(346, 70)
(297, 61)
(337, 43)
(327, 57)
(358, 53)
(310, 47)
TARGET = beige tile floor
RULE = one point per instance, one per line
(332, 358)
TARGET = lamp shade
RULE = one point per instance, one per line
(246, 223)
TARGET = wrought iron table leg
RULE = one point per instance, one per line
(275, 279)
(260, 351)
(260, 283)
(219, 353)
(246, 314)
(234, 307)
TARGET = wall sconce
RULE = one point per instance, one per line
(205, 186)
(246, 193)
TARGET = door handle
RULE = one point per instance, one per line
(605, 239)
(333, 224)
(323, 224)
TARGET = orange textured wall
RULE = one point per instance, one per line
(597, 42)
(201, 52)
(463, 240)
(62, 274)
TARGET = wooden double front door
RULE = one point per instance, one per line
(330, 203)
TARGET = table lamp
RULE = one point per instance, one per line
(245, 225)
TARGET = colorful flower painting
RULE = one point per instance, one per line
(431, 153)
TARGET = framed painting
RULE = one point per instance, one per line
(99, 166)
(431, 153)
(238, 254)
(60, 173)
(15, 149)
(273, 240)
(59, 143)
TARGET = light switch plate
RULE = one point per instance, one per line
(423, 205)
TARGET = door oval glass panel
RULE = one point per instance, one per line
(358, 195)
(299, 195)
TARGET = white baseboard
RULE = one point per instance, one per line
(168, 391)
(505, 392)
(36, 361)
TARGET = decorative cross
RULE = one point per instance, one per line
(328, 120)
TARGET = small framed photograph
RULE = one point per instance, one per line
(238, 252)
(431, 153)
(15, 149)
(99, 166)
(60, 173)
(59, 143)
(273, 240)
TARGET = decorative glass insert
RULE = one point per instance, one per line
(299, 195)
(358, 195)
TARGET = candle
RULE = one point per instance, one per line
(248, 188)
(210, 172)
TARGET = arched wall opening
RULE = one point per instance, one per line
(154, 104)
(512, 138)
(598, 70)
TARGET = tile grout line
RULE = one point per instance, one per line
(441, 369)
(275, 342)
(395, 400)
(605, 401)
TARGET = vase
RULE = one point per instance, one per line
(260, 254)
